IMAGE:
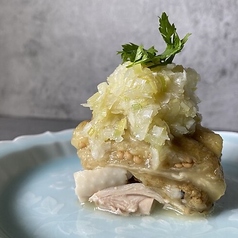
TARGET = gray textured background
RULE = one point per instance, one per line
(54, 53)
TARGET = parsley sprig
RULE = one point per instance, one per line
(137, 54)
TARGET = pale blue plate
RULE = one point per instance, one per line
(37, 197)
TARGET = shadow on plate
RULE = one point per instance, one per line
(230, 200)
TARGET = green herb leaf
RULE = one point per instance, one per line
(149, 58)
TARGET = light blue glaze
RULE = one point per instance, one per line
(37, 197)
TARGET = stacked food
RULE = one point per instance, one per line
(145, 141)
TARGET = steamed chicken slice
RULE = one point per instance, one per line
(126, 199)
(136, 198)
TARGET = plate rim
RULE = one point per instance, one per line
(48, 132)
(23, 142)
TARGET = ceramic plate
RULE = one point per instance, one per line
(37, 197)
